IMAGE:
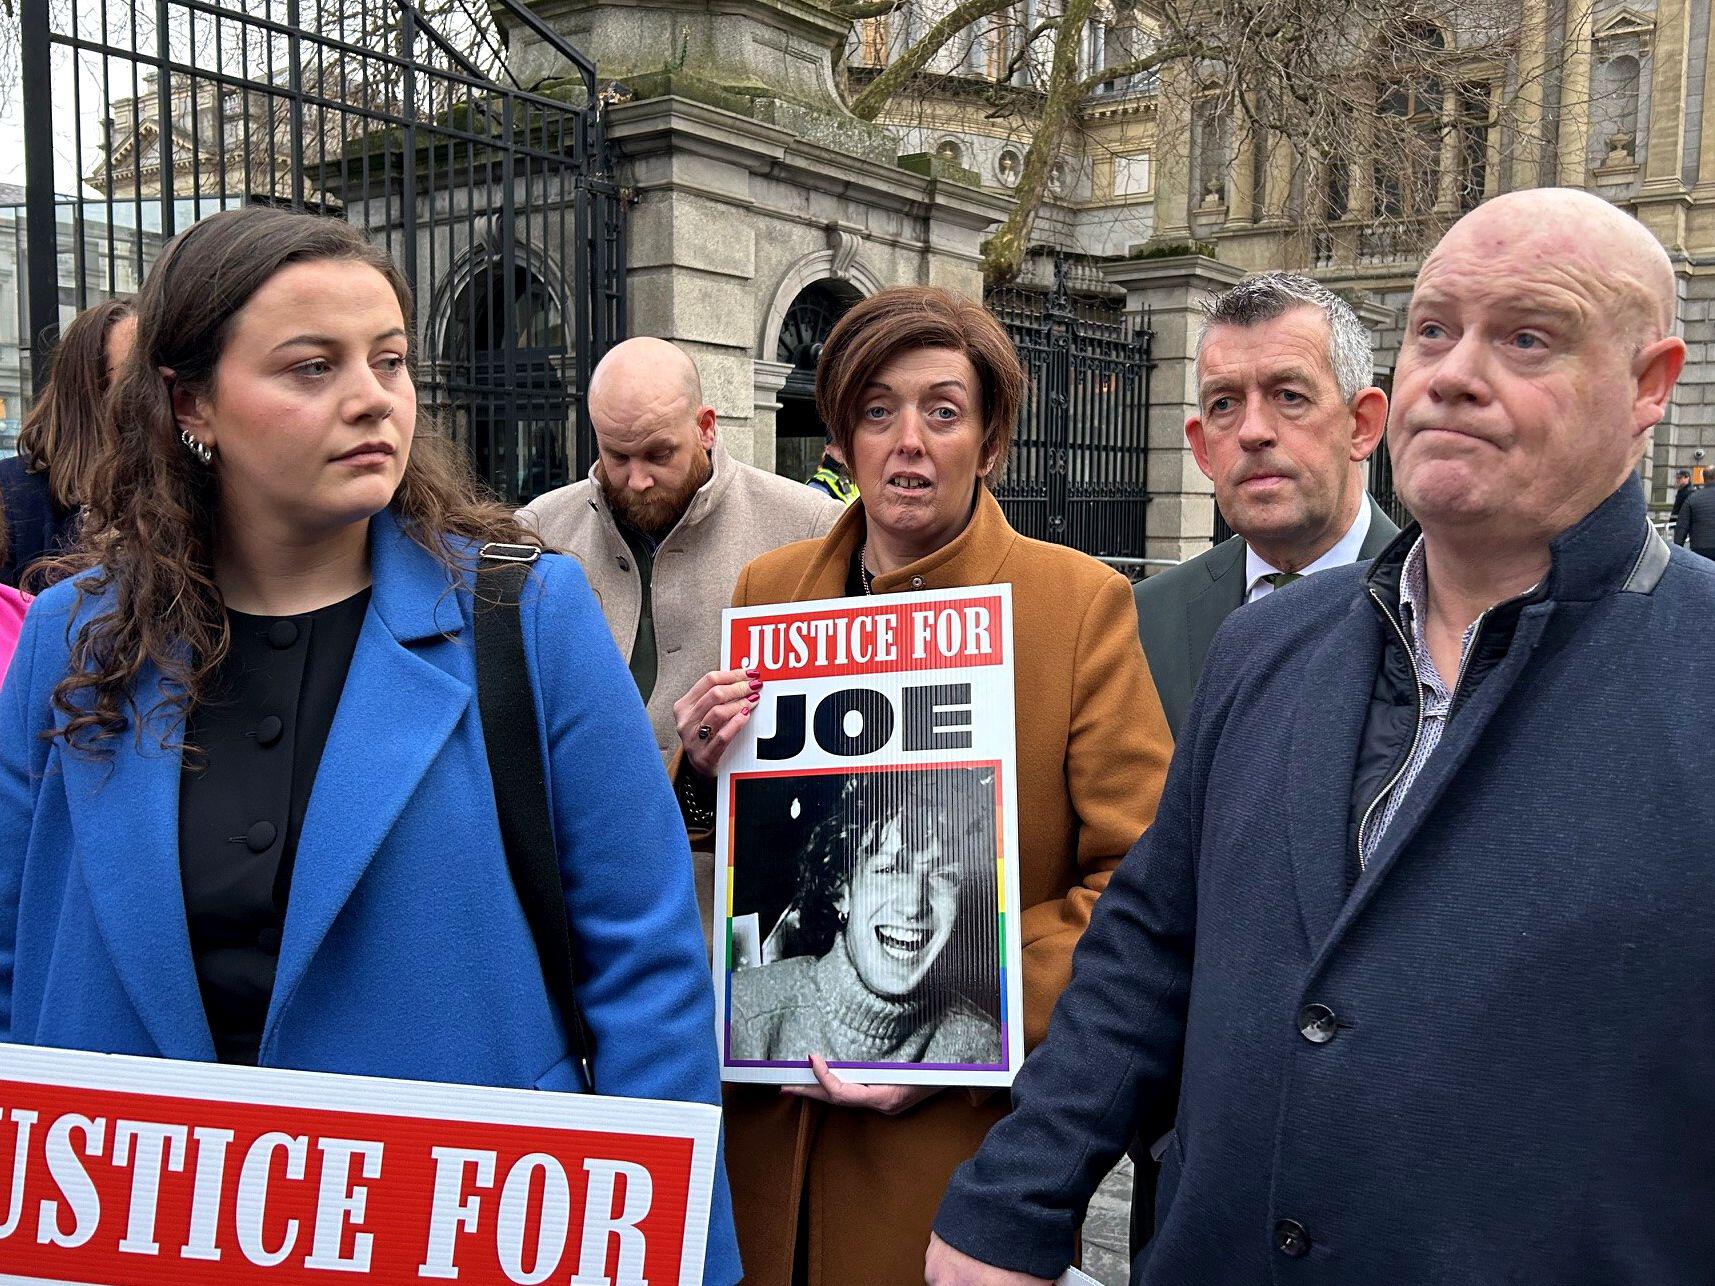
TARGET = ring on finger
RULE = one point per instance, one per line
(704, 732)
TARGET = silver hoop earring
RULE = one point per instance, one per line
(201, 450)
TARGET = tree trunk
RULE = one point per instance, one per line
(1003, 253)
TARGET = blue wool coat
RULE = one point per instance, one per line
(405, 952)
(1516, 1079)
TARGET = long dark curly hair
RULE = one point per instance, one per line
(952, 807)
(151, 510)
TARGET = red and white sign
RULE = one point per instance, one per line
(139, 1170)
(905, 633)
(866, 818)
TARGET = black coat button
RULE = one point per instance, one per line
(282, 634)
(268, 939)
(269, 730)
(1290, 1239)
(260, 837)
(1316, 1024)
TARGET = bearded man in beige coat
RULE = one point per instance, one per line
(666, 519)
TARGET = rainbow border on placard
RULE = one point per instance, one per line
(1000, 915)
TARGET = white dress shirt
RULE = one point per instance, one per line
(1343, 551)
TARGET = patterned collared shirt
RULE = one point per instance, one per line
(1434, 693)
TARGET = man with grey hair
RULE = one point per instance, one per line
(1286, 416)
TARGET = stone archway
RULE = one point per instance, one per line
(505, 346)
(838, 264)
(804, 328)
(830, 280)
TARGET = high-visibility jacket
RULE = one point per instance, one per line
(835, 483)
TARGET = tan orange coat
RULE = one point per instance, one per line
(1093, 748)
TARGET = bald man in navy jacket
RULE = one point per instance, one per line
(1417, 954)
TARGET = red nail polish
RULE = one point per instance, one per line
(753, 673)
(756, 685)
(754, 697)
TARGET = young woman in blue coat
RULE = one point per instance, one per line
(245, 805)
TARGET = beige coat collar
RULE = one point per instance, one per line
(702, 504)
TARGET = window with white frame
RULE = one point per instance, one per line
(1131, 174)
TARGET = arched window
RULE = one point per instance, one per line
(1422, 124)
(505, 344)
(798, 432)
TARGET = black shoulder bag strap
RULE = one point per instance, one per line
(509, 723)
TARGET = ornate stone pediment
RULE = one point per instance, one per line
(136, 160)
(1622, 25)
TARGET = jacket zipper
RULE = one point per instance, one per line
(1416, 731)
(1465, 664)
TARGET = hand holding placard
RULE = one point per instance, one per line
(712, 713)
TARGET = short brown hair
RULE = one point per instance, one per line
(903, 318)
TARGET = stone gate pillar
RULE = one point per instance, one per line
(1173, 291)
(750, 181)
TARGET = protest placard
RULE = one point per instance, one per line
(866, 843)
(140, 1170)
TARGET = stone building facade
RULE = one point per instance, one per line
(762, 206)
(1609, 97)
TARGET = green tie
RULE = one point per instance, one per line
(1280, 580)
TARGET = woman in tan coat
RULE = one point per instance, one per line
(836, 1184)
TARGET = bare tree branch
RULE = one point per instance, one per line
(1003, 253)
(868, 9)
(1031, 37)
(868, 104)
(1374, 112)
(1137, 66)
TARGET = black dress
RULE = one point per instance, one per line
(260, 731)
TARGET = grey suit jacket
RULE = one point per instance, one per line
(1179, 610)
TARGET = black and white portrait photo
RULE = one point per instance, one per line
(866, 919)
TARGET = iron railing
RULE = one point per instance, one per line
(496, 200)
(1079, 471)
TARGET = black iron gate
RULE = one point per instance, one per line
(1079, 469)
(496, 200)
